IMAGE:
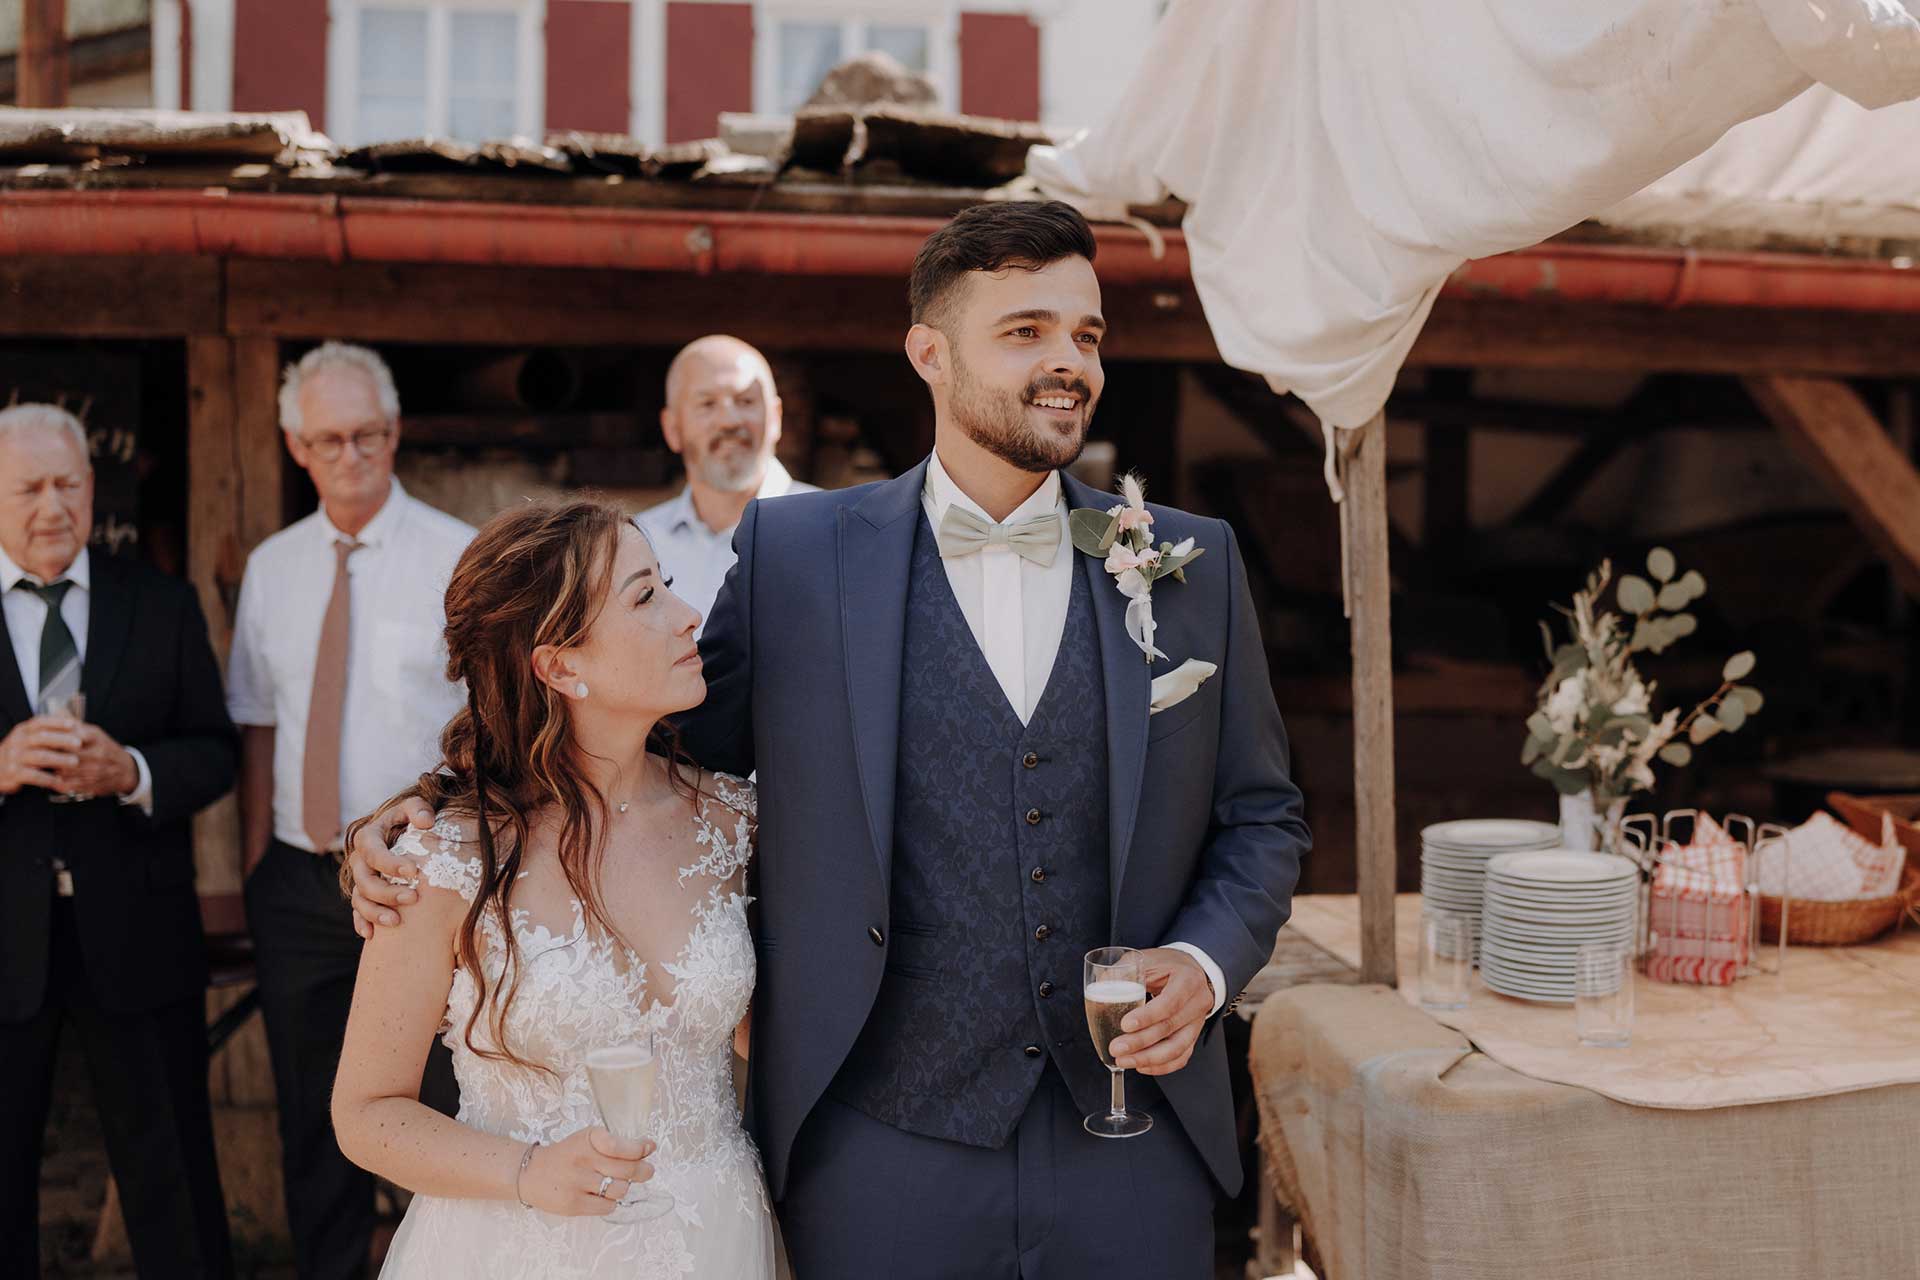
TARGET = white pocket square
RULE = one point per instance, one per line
(1175, 687)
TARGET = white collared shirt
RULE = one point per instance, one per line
(27, 616)
(398, 698)
(1017, 611)
(695, 557)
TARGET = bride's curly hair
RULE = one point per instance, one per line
(536, 574)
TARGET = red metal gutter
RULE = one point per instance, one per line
(373, 229)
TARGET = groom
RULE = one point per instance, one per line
(964, 787)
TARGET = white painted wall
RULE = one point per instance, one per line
(1089, 50)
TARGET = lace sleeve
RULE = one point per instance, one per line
(729, 827)
(442, 858)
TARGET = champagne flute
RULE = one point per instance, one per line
(622, 1077)
(74, 707)
(1114, 985)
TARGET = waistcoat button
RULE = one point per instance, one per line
(1033, 1051)
(1046, 989)
(1039, 875)
(1033, 817)
(1043, 933)
(1030, 760)
(879, 939)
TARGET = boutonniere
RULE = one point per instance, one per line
(1123, 535)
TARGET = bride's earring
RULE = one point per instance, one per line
(580, 689)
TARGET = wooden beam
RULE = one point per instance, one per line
(108, 297)
(1536, 335)
(42, 73)
(1832, 428)
(1364, 522)
(532, 307)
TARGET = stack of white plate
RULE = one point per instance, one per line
(1541, 908)
(1453, 859)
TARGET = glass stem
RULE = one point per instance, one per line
(1119, 1091)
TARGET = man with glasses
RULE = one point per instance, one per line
(338, 638)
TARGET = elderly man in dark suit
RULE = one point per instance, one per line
(99, 925)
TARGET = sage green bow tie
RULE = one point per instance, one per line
(962, 533)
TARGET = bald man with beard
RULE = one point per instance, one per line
(722, 417)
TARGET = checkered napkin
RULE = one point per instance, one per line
(1698, 912)
(1823, 860)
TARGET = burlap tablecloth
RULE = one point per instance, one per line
(1835, 1019)
(1406, 1155)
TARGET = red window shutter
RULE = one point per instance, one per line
(709, 66)
(280, 57)
(1000, 66)
(589, 56)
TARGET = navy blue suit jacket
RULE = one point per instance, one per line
(803, 656)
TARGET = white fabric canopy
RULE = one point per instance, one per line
(1819, 168)
(1340, 159)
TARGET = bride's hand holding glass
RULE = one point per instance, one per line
(585, 1174)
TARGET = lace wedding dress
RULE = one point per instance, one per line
(578, 993)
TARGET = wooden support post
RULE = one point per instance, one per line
(1369, 593)
(41, 77)
(233, 502)
(1833, 429)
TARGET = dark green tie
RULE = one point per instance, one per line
(59, 656)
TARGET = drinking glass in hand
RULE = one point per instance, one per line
(1115, 985)
(622, 1077)
(74, 707)
(1603, 996)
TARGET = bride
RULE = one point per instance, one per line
(576, 892)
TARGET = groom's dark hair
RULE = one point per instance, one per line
(1026, 234)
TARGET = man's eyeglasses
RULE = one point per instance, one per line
(366, 442)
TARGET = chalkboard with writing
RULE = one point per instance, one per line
(102, 388)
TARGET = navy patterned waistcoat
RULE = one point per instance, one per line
(999, 880)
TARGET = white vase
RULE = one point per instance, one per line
(1576, 821)
(1584, 827)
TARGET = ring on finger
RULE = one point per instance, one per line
(606, 1180)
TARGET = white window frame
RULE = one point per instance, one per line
(343, 64)
(941, 18)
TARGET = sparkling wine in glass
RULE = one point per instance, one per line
(1114, 985)
(74, 707)
(622, 1077)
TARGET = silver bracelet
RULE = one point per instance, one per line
(526, 1158)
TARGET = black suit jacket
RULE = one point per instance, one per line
(152, 682)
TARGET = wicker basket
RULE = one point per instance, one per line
(1838, 924)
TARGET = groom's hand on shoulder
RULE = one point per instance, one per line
(372, 859)
(1160, 1035)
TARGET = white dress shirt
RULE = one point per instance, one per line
(398, 698)
(695, 557)
(1017, 611)
(27, 617)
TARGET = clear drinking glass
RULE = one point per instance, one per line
(1115, 986)
(1446, 960)
(74, 707)
(622, 1077)
(1603, 996)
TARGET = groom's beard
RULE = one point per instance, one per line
(1000, 421)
